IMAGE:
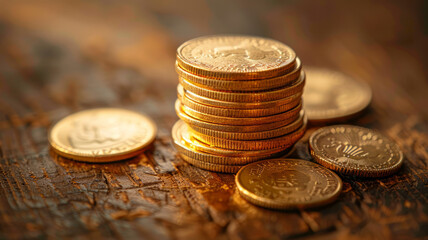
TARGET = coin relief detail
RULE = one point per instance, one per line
(279, 182)
(288, 184)
(97, 132)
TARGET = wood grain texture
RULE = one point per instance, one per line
(59, 57)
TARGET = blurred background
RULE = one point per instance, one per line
(61, 56)
(78, 54)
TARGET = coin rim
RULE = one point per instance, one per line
(223, 168)
(270, 95)
(191, 152)
(235, 113)
(283, 140)
(205, 148)
(239, 121)
(246, 85)
(253, 135)
(237, 105)
(231, 128)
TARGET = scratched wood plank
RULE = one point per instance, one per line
(57, 58)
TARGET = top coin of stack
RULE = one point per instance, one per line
(239, 100)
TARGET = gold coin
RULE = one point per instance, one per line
(200, 146)
(227, 112)
(102, 135)
(235, 57)
(232, 128)
(257, 154)
(249, 85)
(332, 95)
(270, 95)
(252, 135)
(189, 150)
(281, 141)
(287, 184)
(211, 166)
(355, 151)
(239, 121)
(237, 105)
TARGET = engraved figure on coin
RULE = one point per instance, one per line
(242, 56)
(351, 147)
(244, 52)
(98, 132)
(287, 180)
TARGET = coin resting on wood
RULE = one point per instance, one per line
(288, 184)
(355, 151)
(102, 135)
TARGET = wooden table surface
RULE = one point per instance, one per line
(59, 57)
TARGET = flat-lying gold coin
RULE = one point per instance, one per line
(102, 135)
(190, 151)
(235, 57)
(237, 105)
(355, 151)
(239, 121)
(270, 95)
(252, 135)
(227, 112)
(232, 128)
(287, 184)
(249, 85)
(284, 141)
(332, 95)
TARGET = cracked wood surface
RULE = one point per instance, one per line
(57, 58)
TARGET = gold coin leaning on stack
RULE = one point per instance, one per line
(332, 96)
(239, 101)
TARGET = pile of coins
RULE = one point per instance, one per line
(239, 101)
(295, 184)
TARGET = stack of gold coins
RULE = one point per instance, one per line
(239, 101)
